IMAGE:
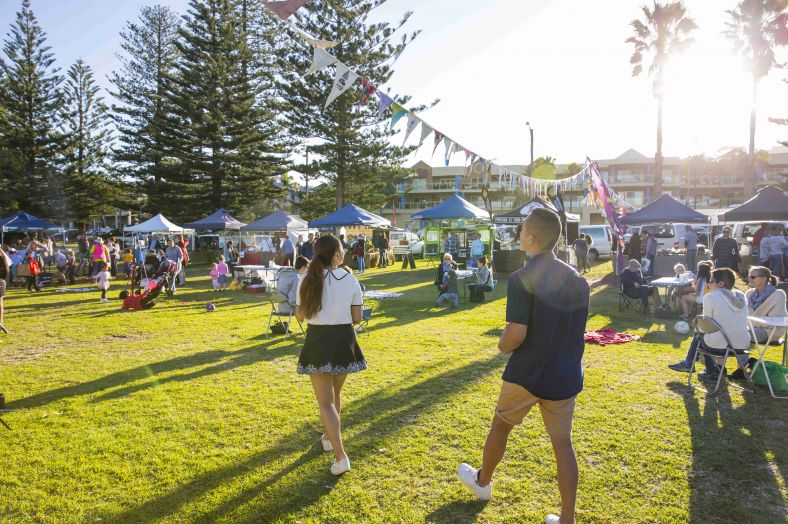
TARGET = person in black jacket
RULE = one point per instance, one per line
(443, 268)
(725, 252)
(635, 285)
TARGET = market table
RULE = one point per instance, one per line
(267, 274)
(668, 283)
(467, 276)
(771, 324)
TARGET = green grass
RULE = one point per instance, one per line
(178, 415)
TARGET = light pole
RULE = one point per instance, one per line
(531, 166)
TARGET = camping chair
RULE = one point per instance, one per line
(704, 326)
(366, 316)
(625, 302)
(275, 299)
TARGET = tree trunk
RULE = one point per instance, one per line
(752, 176)
(340, 191)
(658, 156)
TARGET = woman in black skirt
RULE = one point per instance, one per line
(330, 300)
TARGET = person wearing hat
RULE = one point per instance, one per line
(99, 255)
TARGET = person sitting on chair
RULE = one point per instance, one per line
(483, 282)
(728, 307)
(287, 284)
(765, 300)
(635, 285)
(444, 267)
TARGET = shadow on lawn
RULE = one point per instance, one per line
(731, 479)
(380, 414)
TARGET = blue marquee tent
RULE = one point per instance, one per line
(220, 220)
(276, 221)
(665, 209)
(350, 215)
(769, 204)
(22, 221)
(453, 207)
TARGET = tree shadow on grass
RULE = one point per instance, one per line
(731, 479)
(370, 420)
(261, 352)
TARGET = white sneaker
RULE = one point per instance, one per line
(326, 443)
(105, 300)
(552, 519)
(468, 476)
(343, 466)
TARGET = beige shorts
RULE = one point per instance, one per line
(2, 288)
(515, 402)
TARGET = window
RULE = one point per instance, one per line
(659, 230)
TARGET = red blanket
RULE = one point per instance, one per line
(606, 336)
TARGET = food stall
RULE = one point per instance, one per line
(353, 217)
(266, 232)
(221, 224)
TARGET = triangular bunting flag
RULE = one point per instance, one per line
(413, 122)
(344, 79)
(367, 90)
(385, 103)
(448, 143)
(285, 8)
(467, 156)
(397, 112)
(438, 138)
(425, 132)
(320, 60)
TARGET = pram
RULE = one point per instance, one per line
(148, 289)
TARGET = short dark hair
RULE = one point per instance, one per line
(724, 276)
(483, 260)
(301, 261)
(545, 226)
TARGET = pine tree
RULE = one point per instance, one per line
(349, 145)
(87, 187)
(222, 132)
(29, 94)
(140, 88)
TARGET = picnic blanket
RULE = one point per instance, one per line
(377, 295)
(607, 336)
(76, 289)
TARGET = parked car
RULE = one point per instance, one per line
(404, 243)
(602, 244)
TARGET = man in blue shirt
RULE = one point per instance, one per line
(546, 313)
(308, 248)
(288, 250)
(691, 243)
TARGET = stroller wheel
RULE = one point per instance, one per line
(169, 292)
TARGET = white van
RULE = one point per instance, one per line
(405, 243)
(602, 238)
(667, 234)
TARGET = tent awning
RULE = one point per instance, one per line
(157, 224)
(453, 207)
(276, 221)
(22, 221)
(516, 216)
(350, 215)
(769, 204)
(220, 220)
(665, 209)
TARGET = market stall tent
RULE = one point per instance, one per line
(665, 209)
(221, 220)
(769, 204)
(351, 215)
(453, 207)
(22, 221)
(157, 224)
(276, 221)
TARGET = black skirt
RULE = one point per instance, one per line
(331, 350)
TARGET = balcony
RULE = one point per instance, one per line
(632, 180)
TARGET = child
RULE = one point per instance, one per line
(128, 260)
(215, 276)
(223, 272)
(71, 267)
(450, 293)
(102, 278)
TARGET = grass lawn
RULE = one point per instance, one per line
(179, 415)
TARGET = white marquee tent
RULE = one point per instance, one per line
(157, 224)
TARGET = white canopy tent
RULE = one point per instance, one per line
(157, 224)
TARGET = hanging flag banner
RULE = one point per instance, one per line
(413, 122)
(344, 79)
(385, 103)
(448, 143)
(397, 112)
(285, 8)
(425, 132)
(320, 60)
(367, 90)
(438, 139)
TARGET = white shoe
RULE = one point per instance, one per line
(469, 476)
(326, 443)
(552, 519)
(105, 300)
(343, 466)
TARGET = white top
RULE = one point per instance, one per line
(730, 311)
(340, 291)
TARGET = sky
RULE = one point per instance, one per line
(562, 65)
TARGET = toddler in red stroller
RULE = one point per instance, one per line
(150, 288)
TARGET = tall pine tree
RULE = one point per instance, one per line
(348, 145)
(141, 85)
(29, 94)
(87, 189)
(224, 137)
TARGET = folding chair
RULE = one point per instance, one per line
(705, 326)
(625, 302)
(366, 315)
(275, 299)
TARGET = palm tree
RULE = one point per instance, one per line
(756, 28)
(662, 33)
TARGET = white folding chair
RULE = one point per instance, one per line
(705, 326)
(275, 299)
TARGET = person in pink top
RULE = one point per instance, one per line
(215, 276)
(222, 273)
(99, 254)
(102, 279)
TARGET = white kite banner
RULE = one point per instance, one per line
(344, 78)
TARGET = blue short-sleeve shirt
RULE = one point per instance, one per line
(551, 298)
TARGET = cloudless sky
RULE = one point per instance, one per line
(563, 65)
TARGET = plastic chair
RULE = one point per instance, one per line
(705, 326)
(275, 299)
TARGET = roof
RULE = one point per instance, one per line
(665, 209)
(276, 221)
(351, 215)
(219, 220)
(517, 215)
(23, 221)
(769, 204)
(453, 207)
(157, 224)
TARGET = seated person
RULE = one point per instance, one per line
(447, 264)
(287, 283)
(691, 300)
(451, 292)
(635, 285)
(680, 272)
(765, 300)
(728, 307)
(483, 281)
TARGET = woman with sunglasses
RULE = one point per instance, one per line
(765, 300)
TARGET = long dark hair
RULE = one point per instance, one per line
(312, 286)
(704, 271)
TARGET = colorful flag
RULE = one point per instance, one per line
(344, 79)
(413, 122)
(367, 90)
(397, 112)
(285, 8)
(320, 60)
(448, 143)
(438, 139)
(385, 103)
